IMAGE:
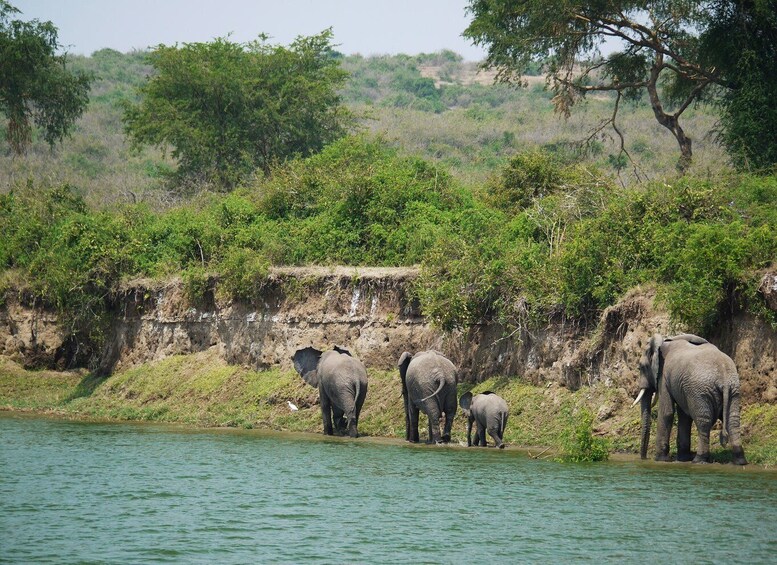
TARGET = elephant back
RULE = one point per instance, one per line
(342, 365)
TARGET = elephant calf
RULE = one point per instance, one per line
(490, 412)
(341, 381)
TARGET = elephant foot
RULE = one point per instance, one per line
(739, 457)
(663, 457)
(684, 457)
(701, 459)
(446, 438)
(501, 446)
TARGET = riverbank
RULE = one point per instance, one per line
(202, 390)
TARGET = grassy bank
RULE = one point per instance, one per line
(202, 390)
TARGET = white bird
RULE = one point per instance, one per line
(292, 406)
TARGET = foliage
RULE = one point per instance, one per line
(480, 128)
(227, 109)
(358, 202)
(658, 47)
(578, 250)
(742, 42)
(36, 87)
(579, 445)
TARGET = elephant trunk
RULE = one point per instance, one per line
(645, 408)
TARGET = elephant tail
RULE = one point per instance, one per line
(726, 408)
(439, 388)
(502, 424)
(356, 396)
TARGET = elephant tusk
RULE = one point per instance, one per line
(639, 397)
(655, 399)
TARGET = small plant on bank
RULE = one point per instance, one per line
(578, 443)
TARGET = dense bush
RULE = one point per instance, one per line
(558, 241)
(574, 249)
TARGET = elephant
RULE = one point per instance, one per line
(428, 385)
(698, 381)
(490, 411)
(341, 380)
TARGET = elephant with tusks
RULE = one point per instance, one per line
(694, 379)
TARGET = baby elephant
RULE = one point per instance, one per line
(490, 411)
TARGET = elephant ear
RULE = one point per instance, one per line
(342, 351)
(466, 401)
(404, 361)
(402, 364)
(656, 362)
(306, 364)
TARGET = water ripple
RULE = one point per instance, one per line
(72, 492)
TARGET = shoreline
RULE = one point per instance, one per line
(536, 453)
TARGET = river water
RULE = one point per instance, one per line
(77, 492)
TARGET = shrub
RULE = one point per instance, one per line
(578, 442)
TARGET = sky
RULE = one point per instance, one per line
(368, 27)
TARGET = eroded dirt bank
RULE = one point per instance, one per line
(371, 311)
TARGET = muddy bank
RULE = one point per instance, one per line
(372, 312)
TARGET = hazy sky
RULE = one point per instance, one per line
(368, 27)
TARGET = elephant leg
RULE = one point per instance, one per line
(412, 432)
(326, 413)
(470, 420)
(339, 420)
(433, 412)
(482, 435)
(450, 413)
(734, 434)
(664, 427)
(703, 428)
(446, 431)
(494, 433)
(684, 436)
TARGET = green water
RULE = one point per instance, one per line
(75, 492)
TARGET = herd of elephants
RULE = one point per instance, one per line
(688, 375)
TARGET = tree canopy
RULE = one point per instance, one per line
(35, 85)
(741, 42)
(228, 108)
(657, 51)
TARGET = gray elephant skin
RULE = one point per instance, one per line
(341, 380)
(490, 411)
(428, 386)
(700, 383)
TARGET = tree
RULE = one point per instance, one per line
(741, 41)
(659, 52)
(228, 108)
(35, 85)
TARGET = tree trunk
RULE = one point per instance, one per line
(669, 121)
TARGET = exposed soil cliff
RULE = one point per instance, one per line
(372, 312)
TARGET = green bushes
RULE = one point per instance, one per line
(573, 247)
(546, 240)
(578, 443)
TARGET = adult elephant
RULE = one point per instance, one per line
(490, 411)
(428, 385)
(341, 380)
(698, 381)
